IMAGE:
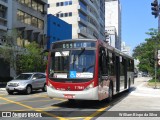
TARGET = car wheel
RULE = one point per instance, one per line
(44, 88)
(10, 92)
(28, 90)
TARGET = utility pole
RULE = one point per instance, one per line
(155, 12)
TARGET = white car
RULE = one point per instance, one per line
(26, 82)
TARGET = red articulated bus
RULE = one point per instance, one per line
(87, 69)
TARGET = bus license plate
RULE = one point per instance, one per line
(68, 96)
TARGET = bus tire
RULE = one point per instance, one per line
(110, 93)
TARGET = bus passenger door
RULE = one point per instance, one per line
(125, 73)
(102, 73)
(117, 74)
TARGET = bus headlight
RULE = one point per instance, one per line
(89, 86)
(50, 85)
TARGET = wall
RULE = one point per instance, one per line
(57, 30)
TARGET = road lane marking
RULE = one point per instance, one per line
(96, 113)
(34, 109)
(46, 96)
(34, 100)
(45, 108)
(74, 118)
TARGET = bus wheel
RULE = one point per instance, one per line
(110, 93)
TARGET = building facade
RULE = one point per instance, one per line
(28, 18)
(57, 30)
(5, 18)
(86, 16)
(113, 18)
(126, 49)
(111, 35)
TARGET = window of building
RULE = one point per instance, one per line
(21, 1)
(40, 7)
(57, 15)
(40, 24)
(28, 3)
(61, 3)
(61, 15)
(83, 16)
(66, 14)
(3, 11)
(70, 2)
(70, 13)
(34, 21)
(66, 3)
(34, 4)
(54, 23)
(27, 19)
(57, 4)
(58, 25)
(20, 16)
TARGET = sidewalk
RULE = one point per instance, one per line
(142, 99)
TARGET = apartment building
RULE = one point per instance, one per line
(28, 18)
(86, 16)
(113, 18)
(5, 6)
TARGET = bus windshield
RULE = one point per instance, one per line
(72, 64)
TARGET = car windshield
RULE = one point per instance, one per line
(72, 64)
(24, 77)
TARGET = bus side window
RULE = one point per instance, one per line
(111, 64)
(102, 62)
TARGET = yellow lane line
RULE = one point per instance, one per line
(34, 100)
(59, 99)
(45, 108)
(46, 96)
(4, 103)
(96, 113)
(34, 109)
(74, 118)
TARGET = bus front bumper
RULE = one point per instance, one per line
(91, 94)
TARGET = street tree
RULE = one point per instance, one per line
(145, 52)
(32, 60)
(8, 48)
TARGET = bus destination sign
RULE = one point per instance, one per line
(77, 44)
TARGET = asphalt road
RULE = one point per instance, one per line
(38, 104)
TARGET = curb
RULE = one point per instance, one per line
(2, 89)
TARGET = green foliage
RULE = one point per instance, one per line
(7, 51)
(145, 52)
(32, 60)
